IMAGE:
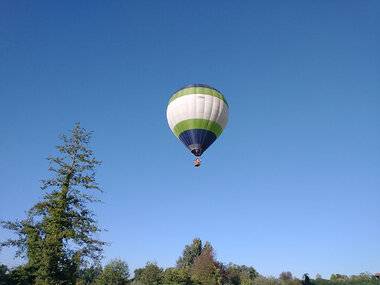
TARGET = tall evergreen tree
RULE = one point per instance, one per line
(190, 253)
(59, 231)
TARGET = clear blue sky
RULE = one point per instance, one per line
(293, 183)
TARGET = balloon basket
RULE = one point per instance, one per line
(197, 162)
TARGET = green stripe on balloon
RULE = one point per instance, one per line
(198, 90)
(197, 124)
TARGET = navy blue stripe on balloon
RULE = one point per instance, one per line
(197, 140)
(198, 85)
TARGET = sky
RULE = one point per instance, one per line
(292, 184)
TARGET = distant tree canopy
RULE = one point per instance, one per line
(152, 274)
(59, 232)
(205, 270)
(240, 274)
(196, 266)
(88, 275)
(190, 253)
(116, 272)
(177, 276)
(335, 277)
(286, 275)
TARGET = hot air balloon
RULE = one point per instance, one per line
(197, 114)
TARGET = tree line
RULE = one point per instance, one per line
(196, 266)
(58, 238)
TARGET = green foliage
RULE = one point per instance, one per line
(138, 272)
(116, 272)
(205, 270)
(152, 274)
(177, 276)
(19, 276)
(294, 281)
(286, 275)
(190, 253)
(340, 277)
(4, 277)
(86, 276)
(321, 281)
(335, 279)
(197, 265)
(262, 280)
(233, 275)
(58, 233)
(240, 274)
(362, 277)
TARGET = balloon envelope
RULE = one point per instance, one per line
(197, 114)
